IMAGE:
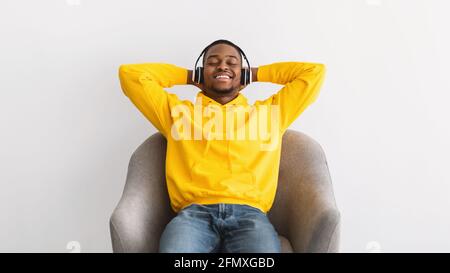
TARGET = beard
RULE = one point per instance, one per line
(223, 90)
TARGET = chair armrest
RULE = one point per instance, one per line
(144, 209)
(305, 197)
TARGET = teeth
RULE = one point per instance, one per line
(222, 76)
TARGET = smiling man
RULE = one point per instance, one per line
(221, 186)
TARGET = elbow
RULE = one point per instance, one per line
(313, 68)
(122, 71)
(322, 67)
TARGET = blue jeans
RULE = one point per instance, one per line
(229, 228)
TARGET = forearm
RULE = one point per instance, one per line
(165, 75)
(286, 72)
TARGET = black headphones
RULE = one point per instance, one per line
(246, 72)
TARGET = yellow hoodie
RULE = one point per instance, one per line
(212, 154)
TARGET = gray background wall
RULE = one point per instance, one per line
(67, 131)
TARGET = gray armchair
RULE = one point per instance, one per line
(304, 213)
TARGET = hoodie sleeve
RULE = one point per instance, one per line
(302, 82)
(143, 84)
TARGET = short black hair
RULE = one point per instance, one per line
(222, 41)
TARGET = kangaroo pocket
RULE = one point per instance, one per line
(217, 179)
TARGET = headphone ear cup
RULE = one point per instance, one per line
(243, 75)
(196, 74)
(247, 71)
(200, 75)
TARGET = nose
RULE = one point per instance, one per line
(222, 66)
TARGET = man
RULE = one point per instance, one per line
(221, 163)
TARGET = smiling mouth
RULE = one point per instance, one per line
(222, 78)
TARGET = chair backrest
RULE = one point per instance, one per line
(304, 210)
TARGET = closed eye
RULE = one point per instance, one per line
(228, 64)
